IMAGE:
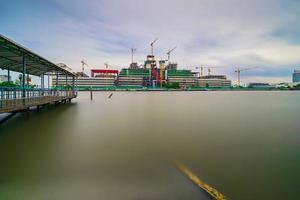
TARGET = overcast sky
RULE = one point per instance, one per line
(225, 34)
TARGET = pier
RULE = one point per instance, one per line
(16, 58)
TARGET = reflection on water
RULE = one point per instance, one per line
(245, 144)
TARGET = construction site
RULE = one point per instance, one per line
(152, 74)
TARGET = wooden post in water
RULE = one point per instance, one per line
(91, 93)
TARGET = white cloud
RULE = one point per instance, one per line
(220, 33)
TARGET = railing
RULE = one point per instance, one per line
(12, 99)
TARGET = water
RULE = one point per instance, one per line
(245, 144)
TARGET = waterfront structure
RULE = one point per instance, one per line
(134, 65)
(213, 81)
(171, 65)
(86, 83)
(14, 57)
(296, 76)
(104, 73)
(150, 63)
(260, 85)
(101, 79)
(134, 77)
(182, 77)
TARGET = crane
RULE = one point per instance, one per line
(132, 51)
(209, 69)
(83, 63)
(169, 52)
(152, 44)
(239, 70)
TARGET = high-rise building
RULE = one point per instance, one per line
(296, 76)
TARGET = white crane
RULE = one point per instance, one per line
(239, 70)
(152, 44)
(83, 63)
(209, 69)
(132, 52)
(169, 53)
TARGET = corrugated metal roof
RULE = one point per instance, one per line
(11, 56)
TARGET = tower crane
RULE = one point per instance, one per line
(83, 63)
(152, 44)
(169, 53)
(239, 70)
(209, 70)
(132, 51)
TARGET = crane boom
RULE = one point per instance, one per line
(83, 63)
(132, 52)
(169, 53)
(152, 44)
(239, 70)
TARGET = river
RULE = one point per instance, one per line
(245, 144)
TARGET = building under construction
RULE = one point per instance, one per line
(152, 74)
(213, 81)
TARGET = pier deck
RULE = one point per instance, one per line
(22, 94)
(18, 104)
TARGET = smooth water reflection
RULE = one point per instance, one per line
(246, 144)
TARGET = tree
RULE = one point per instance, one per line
(7, 84)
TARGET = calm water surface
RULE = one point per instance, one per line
(246, 144)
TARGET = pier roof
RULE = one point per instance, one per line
(11, 57)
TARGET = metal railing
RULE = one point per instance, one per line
(12, 99)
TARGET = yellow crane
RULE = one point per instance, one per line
(162, 67)
(239, 70)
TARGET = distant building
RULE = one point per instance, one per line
(3, 78)
(214, 81)
(296, 76)
(171, 65)
(134, 77)
(85, 82)
(183, 77)
(150, 63)
(134, 65)
(259, 85)
(81, 74)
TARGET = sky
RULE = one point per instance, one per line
(222, 34)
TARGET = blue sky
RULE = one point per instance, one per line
(224, 34)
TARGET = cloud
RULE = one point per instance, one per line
(225, 34)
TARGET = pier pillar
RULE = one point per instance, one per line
(8, 74)
(73, 84)
(56, 83)
(23, 77)
(48, 81)
(42, 84)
